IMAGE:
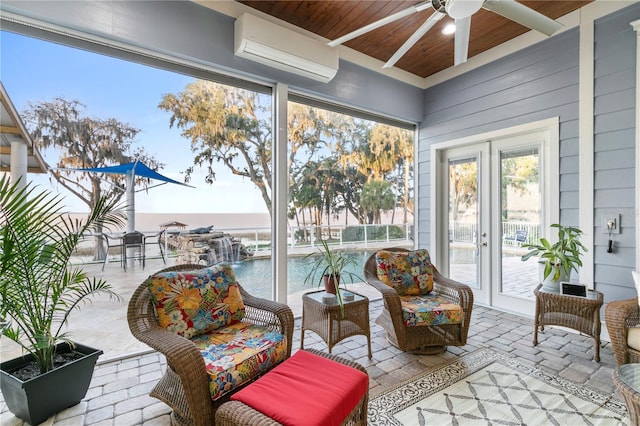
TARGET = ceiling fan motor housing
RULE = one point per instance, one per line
(457, 9)
(438, 6)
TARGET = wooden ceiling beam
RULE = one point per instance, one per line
(10, 129)
(7, 168)
(6, 150)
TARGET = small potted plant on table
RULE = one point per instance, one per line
(330, 267)
(39, 288)
(558, 259)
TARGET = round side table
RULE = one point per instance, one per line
(627, 379)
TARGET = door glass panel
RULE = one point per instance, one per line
(463, 220)
(520, 201)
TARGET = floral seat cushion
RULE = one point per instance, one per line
(190, 303)
(236, 354)
(409, 273)
(430, 310)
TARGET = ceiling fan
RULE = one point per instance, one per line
(460, 11)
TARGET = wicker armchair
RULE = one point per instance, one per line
(619, 316)
(185, 387)
(421, 339)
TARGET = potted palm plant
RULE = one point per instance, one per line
(330, 267)
(558, 259)
(39, 288)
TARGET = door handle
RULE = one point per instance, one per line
(483, 243)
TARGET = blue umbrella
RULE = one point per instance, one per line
(130, 170)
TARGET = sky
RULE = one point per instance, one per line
(34, 71)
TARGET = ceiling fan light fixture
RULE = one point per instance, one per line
(458, 9)
(449, 29)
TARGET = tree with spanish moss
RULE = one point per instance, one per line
(227, 126)
(85, 142)
(379, 151)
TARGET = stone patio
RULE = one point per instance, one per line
(125, 374)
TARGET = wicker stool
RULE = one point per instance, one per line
(237, 413)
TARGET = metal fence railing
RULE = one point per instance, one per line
(260, 239)
(349, 234)
(467, 232)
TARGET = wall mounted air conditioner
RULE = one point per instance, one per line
(262, 41)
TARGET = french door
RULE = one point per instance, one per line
(466, 182)
(492, 205)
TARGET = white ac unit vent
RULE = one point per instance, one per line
(265, 42)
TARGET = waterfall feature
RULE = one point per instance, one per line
(236, 252)
(210, 248)
(225, 249)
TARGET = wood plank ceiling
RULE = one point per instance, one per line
(434, 52)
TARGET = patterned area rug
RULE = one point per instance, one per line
(488, 388)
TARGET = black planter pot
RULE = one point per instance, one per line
(37, 399)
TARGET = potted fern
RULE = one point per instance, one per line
(39, 288)
(330, 267)
(557, 260)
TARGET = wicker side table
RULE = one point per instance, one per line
(330, 324)
(578, 313)
(627, 380)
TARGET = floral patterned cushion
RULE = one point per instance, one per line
(190, 303)
(430, 310)
(409, 273)
(238, 353)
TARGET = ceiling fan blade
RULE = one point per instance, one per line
(523, 15)
(461, 51)
(379, 23)
(417, 35)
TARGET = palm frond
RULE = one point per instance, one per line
(38, 285)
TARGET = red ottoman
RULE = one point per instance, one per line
(311, 388)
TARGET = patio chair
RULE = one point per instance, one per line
(194, 384)
(429, 334)
(112, 242)
(623, 321)
(518, 239)
(133, 240)
(158, 237)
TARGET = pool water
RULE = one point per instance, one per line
(255, 274)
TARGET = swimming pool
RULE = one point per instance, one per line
(255, 274)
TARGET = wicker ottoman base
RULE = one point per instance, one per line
(235, 413)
